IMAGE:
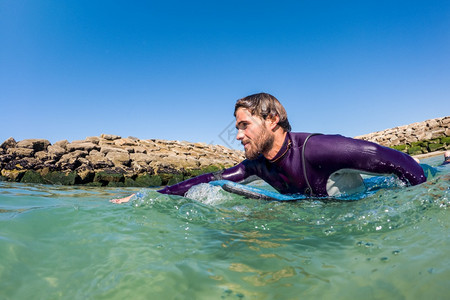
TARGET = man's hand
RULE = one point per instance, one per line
(121, 200)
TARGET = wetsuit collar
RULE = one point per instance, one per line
(284, 149)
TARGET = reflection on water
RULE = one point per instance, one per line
(71, 243)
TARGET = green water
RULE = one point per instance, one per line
(71, 243)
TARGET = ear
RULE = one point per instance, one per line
(272, 122)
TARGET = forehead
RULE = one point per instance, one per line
(243, 115)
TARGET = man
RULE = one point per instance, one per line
(312, 164)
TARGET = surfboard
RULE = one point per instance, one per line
(254, 192)
(263, 194)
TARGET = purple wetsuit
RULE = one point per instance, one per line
(292, 171)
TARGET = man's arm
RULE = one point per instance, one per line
(236, 173)
(337, 152)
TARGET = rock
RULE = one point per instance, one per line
(62, 144)
(437, 133)
(41, 155)
(432, 124)
(140, 167)
(139, 149)
(99, 160)
(147, 180)
(93, 139)
(176, 178)
(119, 158)
(32, 176)
(110, 137)
(20, 152)
(107, 149)
(55, 151)
(60, 178)
(125, 142)
(408, 135)
(105, 177)
(129, 149)
(415, 150)
(13, 175)
(82, 145)
(70, 161)
(140, 157)
(73, 156)
(35, 144)
(425, 136)
(435, 147)
(9, 143)
(85, 174)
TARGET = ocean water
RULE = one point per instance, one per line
(60, 242)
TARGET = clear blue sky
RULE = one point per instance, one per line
(174, 69)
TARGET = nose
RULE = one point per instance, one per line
(240, 135)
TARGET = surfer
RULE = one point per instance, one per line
(311, 164)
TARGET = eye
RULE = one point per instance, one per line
(242, 126)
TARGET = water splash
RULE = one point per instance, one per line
(208, 194)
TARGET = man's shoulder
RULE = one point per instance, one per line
(318, 144)
(302, 136)
(299, 138)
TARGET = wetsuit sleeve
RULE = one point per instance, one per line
(336, 152)
(236, 173)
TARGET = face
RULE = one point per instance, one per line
(253, 134)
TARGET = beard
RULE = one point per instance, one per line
(261, 144)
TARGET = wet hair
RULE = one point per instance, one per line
(265, 106)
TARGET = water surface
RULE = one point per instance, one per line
(70, 243)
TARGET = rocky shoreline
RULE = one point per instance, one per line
(415, 139)
(111, 160)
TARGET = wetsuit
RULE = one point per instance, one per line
(326, 165)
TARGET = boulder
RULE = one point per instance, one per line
(85, 174)
(35, 144)
(32, 176)
(125, 142)
(140, 157)
(93, 139)
(139, 149)
(110, 137)
(70, 161)
(20, 152)
(55, 151)
(437, 133)
(60, 178)
(41, 155)
(13, 175)
(73, 156)
(105, 177)
(98, 160)
(107, 149)
(9, 143)
(119, 158)
(62, 144)
(82, 145)
(140, 167)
